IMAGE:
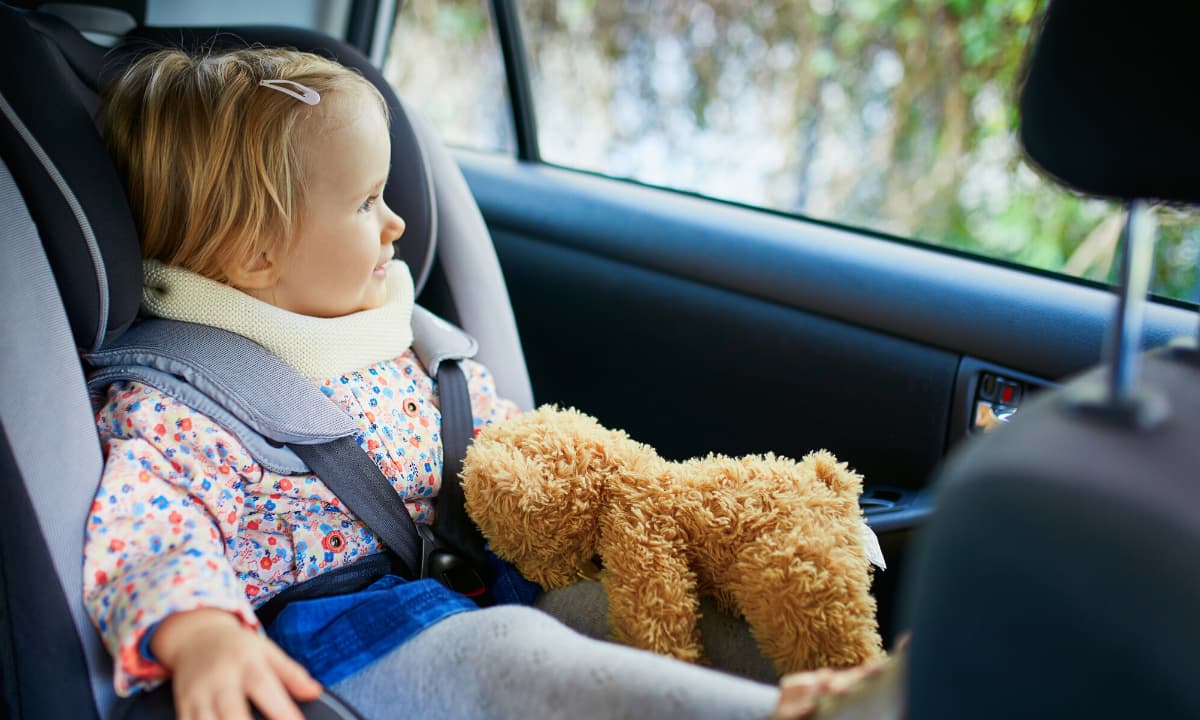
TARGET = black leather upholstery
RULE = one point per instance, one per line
(1058, 578)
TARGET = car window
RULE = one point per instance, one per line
(327, 16)
(445, 59)
(896, 117)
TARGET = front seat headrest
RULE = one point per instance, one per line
(1105, 109)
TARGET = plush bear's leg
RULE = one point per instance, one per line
(652, 601)
(809, 607)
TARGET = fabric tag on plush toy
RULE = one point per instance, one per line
(871, 545)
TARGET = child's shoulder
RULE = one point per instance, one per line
(128, 397)
(130, 408)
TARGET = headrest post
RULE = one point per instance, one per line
(1121, 400)
(1136, 264)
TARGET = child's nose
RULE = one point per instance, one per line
(393, 227)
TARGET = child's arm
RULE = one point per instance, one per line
(487, 406)
(218, 664)
(162, 527)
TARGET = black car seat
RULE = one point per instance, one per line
(1060, 577)
(70, 280)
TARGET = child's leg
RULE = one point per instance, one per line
(516, 662)
(728, 644)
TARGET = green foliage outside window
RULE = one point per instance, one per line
(897, 116)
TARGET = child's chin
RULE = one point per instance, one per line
(374, 298)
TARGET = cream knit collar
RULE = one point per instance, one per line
(316, 347)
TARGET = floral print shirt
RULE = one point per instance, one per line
(184, 518)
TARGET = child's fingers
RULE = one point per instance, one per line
(843, 680)
(211, 702)
(231, 705)
(296, 680)
(813, 682)
(272, 700)
(799, 692)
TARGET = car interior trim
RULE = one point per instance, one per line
(1045, 326)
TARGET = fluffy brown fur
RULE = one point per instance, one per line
(776, 539)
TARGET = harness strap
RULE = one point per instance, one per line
(453, 551)
(451, 523)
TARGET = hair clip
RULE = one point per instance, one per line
(306, 95)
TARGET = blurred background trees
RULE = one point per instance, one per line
(897, 116)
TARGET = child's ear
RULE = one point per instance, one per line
(256, 272)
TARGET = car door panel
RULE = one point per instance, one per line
(693, 368)
(1035, 322)
(699, 326)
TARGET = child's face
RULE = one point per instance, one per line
(337, 263)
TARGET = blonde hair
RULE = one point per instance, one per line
(211, 160)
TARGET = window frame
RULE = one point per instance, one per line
(507, 21)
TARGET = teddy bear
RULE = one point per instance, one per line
(779, 541)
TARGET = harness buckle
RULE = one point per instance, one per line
(451, 569)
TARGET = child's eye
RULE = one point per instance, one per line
(368, 204)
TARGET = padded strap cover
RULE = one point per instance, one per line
(247, 390)
(260, 389)
(435, 341)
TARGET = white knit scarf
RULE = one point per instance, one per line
(316, 347)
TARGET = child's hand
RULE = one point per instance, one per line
(217, 664)
(799, 693)
(874, 690)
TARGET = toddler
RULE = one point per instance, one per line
(255, 177)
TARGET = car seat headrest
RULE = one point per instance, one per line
(50, 142)
(70, 186)
(1104, 103)
(92, 11)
